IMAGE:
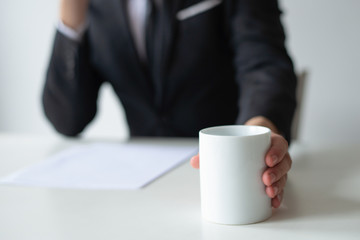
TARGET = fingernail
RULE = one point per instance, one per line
(272, 178)
(276, 190)
(274, 159)
(279, 197)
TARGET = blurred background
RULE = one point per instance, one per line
(323, 38)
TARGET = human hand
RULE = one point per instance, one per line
(73, 12)
(274, 177)
(279, 163)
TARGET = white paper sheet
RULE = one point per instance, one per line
(103, 166)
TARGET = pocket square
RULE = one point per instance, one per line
(197, 9)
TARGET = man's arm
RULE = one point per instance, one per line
(266, 79)
(267, 82)
(264, 71)
(72, 85)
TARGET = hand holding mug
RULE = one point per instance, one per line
(277, 160)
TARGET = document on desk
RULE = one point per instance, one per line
(103, 166)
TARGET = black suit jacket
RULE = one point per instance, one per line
(221, 66)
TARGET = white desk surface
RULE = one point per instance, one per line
(322, 200)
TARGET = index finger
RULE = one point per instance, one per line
(277, 151)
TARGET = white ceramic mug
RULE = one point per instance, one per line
(232, 161)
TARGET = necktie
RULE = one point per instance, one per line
(153, 49)
(152, 31)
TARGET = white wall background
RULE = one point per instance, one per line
(323, 38)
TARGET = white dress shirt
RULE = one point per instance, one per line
(137, 18)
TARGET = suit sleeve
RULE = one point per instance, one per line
(264, 71)
(71, 87)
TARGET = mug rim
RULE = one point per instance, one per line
(252, 131)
